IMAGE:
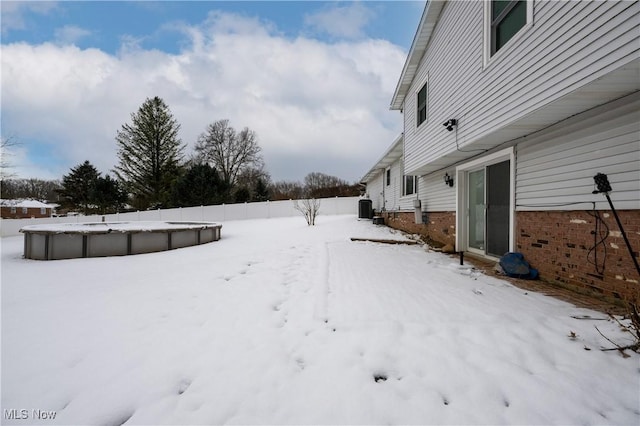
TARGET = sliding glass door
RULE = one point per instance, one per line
(488, 201)
(476, 210)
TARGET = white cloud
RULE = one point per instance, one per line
(13, 13)
(70, 34)
(341, 21)
(323, 105)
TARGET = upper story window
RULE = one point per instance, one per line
(421, 112)
(507, 18)
(388, 177)
(410, 186)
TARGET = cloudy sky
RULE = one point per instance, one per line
(313, 79)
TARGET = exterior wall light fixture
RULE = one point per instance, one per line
(450, 124)
(448, 180)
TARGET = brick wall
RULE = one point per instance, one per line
(560, 244)
(439, 228)
(32, 212)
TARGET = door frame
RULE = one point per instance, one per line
(462, 197)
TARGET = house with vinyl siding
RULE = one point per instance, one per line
(384, 179)
(510, 109)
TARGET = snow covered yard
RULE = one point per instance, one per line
(280, 323)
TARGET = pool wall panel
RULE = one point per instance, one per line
(65, 246)
(148, 242)
(185, 238)
(99, 245)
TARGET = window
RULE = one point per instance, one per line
(507, 18)
(13, 209)
(421, 112)
(388, 177)
(410, 186)
(24, 210)
(43, 210)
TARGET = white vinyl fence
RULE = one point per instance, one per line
(219, 213)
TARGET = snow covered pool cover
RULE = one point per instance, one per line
(108, 227)
(72, 240)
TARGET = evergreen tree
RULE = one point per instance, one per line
(78, 188)
(150, 153)
(242, 195)
(108, 195)
(261, 192)
(199, 186)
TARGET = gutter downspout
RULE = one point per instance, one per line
(384, 184)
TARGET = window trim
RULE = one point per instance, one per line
(404, 185)
(424, 85)
(488, 33)
(461, 172)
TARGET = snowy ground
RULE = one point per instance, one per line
(280, 323)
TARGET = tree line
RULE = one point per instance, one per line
(153, 172)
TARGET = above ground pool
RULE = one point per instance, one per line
(73, 240)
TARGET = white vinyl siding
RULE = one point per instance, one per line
(394, 189)
(375, 190)
(435, 195)
(554, 171)
(562, 52)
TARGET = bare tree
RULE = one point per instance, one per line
(309, 209)
(36, 189)
(284, 190)
(229, 152)
(320, 185)
(5, 147)
(316, 180)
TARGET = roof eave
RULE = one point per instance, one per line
(419, 46)
(392, 153)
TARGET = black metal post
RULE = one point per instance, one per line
(624, 234)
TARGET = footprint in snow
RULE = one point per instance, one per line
(120, 419)
(183, 386)
(380, 377)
